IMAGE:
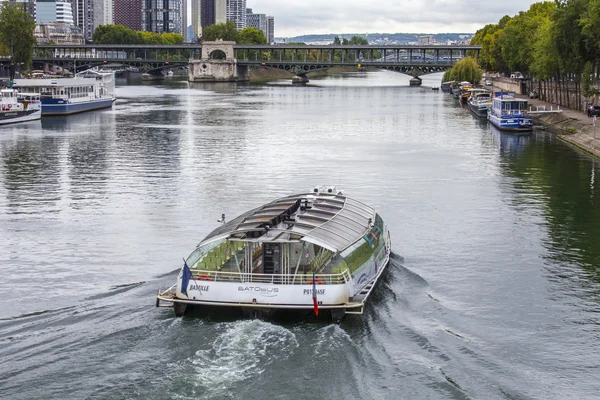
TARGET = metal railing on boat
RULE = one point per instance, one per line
(285, 279)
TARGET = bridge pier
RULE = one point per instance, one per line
(218, 64)
(416, 81)
(300, 79)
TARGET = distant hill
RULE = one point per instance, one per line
(379, 38)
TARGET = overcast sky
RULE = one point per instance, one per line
(293, 18)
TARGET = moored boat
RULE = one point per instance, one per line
(312, 251)
(480, 103)
(17, 107)
(446, 86)
(510, 114)
(89, 90)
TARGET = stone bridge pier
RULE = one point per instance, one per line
(218, 64)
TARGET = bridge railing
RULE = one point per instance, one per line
(397, 55)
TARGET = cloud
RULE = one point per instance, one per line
(390, 16)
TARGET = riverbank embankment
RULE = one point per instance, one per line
(571, 126)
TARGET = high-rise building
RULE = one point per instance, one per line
(184, 23)
(78, 7)
(270, 29)
(103, 12)
(162, 16)
(258, 21)
(220, 11)
(51, 11)
(196, 14)
(128, 13)
(88, 19)
(236, 13)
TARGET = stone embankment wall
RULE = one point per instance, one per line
(507, 85)
(575, 131)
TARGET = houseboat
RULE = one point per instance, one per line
(18, 107)
(480, 103)
(510, 114)
(89, 90)
(310, 252)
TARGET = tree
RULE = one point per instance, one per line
(358, 41)
(115, 34)
(16, 35)
(252, 36)
(464, 70)
(225, 31)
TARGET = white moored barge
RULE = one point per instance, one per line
(312, 251)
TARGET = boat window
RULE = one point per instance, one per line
(200, 252)
(363, 250)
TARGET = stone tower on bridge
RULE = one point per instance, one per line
(218, 64)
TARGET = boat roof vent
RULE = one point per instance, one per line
(326, 189)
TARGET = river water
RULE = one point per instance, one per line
(493, 291)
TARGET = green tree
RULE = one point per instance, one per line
(252, 36)
(16, 35)
(464, 70)
(358, 41)
(115, 34)
(224, 31)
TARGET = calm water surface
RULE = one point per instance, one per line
(494, 291)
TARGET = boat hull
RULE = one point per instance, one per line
(511, 124)
(478, 111)
(339, 299)
(62, 107)
(15, 117)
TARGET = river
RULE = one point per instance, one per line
(493, 291)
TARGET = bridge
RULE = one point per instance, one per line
(297, 59)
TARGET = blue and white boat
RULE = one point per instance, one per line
(510, 114)
(88, 91)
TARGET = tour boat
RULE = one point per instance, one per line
(17, 107)
(510, 114)
(479, 103)
(313, 251)
(89, 90)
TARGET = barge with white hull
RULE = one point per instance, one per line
(313, 251)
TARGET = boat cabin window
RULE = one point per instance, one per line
(365, 249)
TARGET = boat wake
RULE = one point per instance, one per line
(242, 350)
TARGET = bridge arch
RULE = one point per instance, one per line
(217, 54)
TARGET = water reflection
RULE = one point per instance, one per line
(561, 181)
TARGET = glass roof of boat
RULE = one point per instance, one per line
(329, 220)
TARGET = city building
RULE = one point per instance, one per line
(128, 13)
(88, 19)
(258, 21)
(78, 7)
(59, 34)
(51, 11)
(162, 16)
(103, 12)
(270, 29)
(196, 19)
(426, 40)
(212, 12)
(184, 18)
(236, 13)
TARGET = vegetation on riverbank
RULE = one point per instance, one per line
(556, 43)
(16, 35)
(227, 31)
(466, 69)
(120, 34)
